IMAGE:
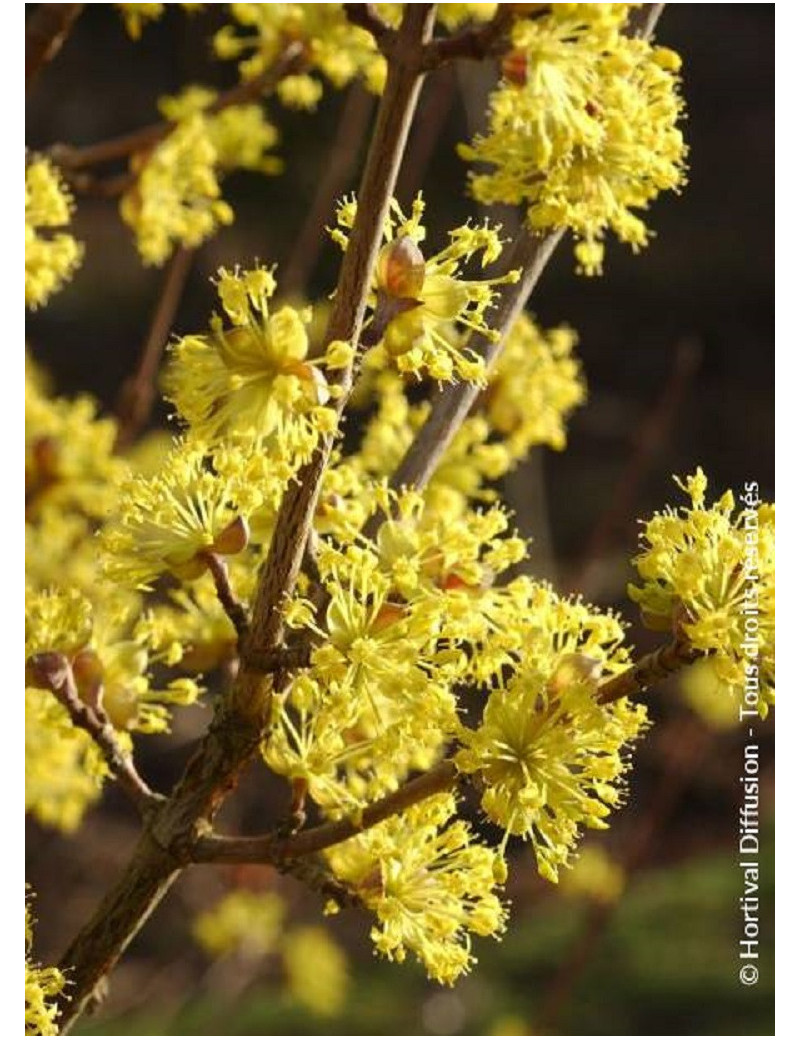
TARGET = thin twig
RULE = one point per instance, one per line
(232, 606)
(53, 672)
(45, 33)
(72, 158)
(138, 393)
(648, 670)
(340, 163)
(477, 43)
(648, 441)
(366, 16)
(642, 21)
(275, 849)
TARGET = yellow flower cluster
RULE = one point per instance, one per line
(422, 307)
(332, 46)
(41, 985)
(136, 16)
(407, 617)
(69, 461)
(51, 256)
(249, 380)
(171, 522)
(595, 876)
(549, 757)
(244, 922)
(176, 197)
(429, 882)
(709, 572)
(584, 128)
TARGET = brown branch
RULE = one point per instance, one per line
(277, 850)
(366, 16)
(648, 670)
(531, 254)
(452, 405)
(340, 163)
(72, 158)
(296, 513)
(284, 659)
(52, 671)
(225, 594)
(475, 44)
(236, 732)
(642, 20)
(138, 393)
(45, 33)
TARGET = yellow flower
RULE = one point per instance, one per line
(50, 258)
(332, 45)
(176, 196)
(251, 379)
(324, 988)
(422, 307)
(711, 571)
(171, 521)
(429, 883)
(247, 923)
(585, 128)
(41, 985)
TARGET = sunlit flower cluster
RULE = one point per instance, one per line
(708, 571)
(584, 129)
(430, 883)
(423, 306)
(51, 253)
(249, 379)
(41, 985)
(332, 46)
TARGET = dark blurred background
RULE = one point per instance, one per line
(678, 350)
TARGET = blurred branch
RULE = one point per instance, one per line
(340, 163)
(438, 101)
(138, 393)
(52, 671)
(649, 440)
(366, 16)
(642, 20)
(689, 744)
(45, 33)
(72, 158)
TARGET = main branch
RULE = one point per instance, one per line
(234, 737)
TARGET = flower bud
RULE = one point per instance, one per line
(233, 539)
(514, 67)
(573, 669)
(401, 268)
